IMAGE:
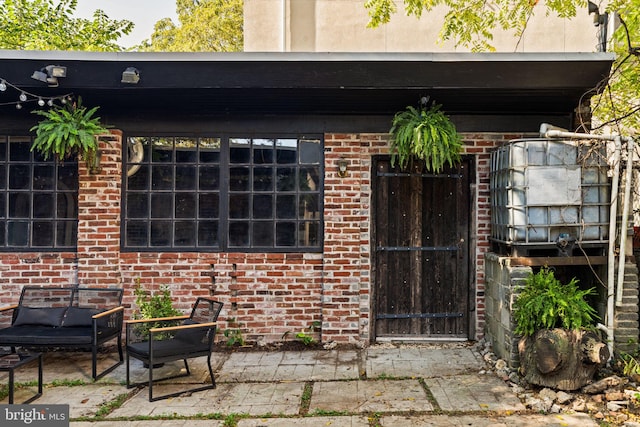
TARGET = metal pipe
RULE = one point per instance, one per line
(625, 220)
(613, 209)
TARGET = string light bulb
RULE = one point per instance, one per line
(41, 102)
(18, 106)
(50, 102)
(23, 97)
(3, 86)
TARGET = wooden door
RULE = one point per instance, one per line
(421, 250)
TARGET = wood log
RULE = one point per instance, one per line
(560, 358)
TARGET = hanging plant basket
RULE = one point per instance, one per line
(424, 134)
(67, 131)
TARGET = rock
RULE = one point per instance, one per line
(617, 395)
(500, 365)
(579, 405)
(631, 424)
(555, 409)
(547, 394)
(603, 384)
(330, 345)
(612, 406)
(563, 397)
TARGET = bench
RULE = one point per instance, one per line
(66, 317)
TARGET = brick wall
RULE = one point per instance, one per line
(265, 294)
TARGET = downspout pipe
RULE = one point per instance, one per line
(625, 219)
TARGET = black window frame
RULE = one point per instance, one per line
(38, 199)
(304, 227)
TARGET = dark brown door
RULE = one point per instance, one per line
(421, 250)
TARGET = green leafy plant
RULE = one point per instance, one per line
(425, 134)
(305, 334)
(151, 306)
(545, 303)
(68, 130)
(233, 337)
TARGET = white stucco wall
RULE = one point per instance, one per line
(341, 26)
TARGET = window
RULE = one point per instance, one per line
(214, 193)
(38, 199)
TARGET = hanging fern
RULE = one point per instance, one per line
(66, 131)
(427, 135)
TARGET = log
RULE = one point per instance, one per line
(561, 359)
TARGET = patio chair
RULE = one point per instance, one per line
(160, 340)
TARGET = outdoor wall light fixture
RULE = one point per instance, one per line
(342, 167)
(130, 76)
(50, 74)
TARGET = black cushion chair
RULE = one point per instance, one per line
(160, 340)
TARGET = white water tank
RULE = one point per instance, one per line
(549, 194)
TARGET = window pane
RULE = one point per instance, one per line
(161, 233)
(263, 151)
(139, 180)
(263, 179)
(287, 151)
(3, 207)
(161, 150)
(18, 233)
(68, 177)
(309, 233)
(66, 233)
(136, 233)
(137, 205)
(209, 150)
(309, 206)
(3, 177)
(186, 177)
(162, 178)
(19, 177)
(209, 205)
(285, 234)
(239, 206)
(186, 206)
(43, 205)
(43, 233)
(239, 179)
(262, 234)
(310, 152)
(263, 206)
(161, 205)
(19, 205)
(208, 233)
(19, 149)
(185, 233)
(286, 207)
(67, 206)
(239, 150)
(309, 179)
(286, 179)
(43, 177)
(238, 234)
(209, 178)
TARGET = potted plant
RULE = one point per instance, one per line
(68, 130)
(560, 347)
(425, 134)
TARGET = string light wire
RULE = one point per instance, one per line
(26, 96)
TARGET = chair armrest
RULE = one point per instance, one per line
(157, 319)
(9, 307)
(181, 327)
(107, 313)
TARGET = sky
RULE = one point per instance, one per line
(143, 13)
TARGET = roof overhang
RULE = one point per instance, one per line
(316, 83)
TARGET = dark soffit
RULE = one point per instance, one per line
(316, 83)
